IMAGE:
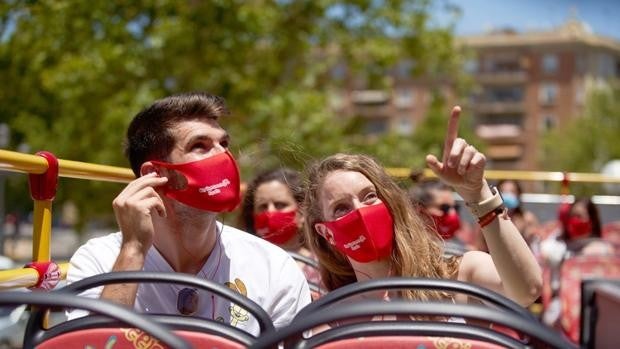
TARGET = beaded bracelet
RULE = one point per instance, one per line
(489, 217)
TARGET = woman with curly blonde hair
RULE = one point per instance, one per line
(361, 226)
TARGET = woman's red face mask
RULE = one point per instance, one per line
(365, 234)
(447, 224)
(577, 227)
(276, 227)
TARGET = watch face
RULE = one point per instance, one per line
(495, 190)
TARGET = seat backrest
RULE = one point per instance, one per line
(37, 334)
(105, 308)
(94, 329)
(573, 271)
(131, 338)
(611, 232)
(407, 342)
(399, 283)
(435, 325)
(600, 313)
(237, 298)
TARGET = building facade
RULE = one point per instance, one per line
(525, 84)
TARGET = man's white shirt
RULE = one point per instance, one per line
(245, 263)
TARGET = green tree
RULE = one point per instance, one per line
(75, 73)
(589, 140)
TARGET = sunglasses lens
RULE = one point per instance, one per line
(187, 301)
(445, 208)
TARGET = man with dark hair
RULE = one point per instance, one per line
(167, 217)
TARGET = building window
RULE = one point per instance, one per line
(504, 94)
(548, 93)
(501, 119)
(548, 122)
(405, 125)
(403, 98)
(580, 64)
(376, 125)
(550, 63)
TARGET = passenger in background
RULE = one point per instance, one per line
(435, 203)
(579, 235)
(272, 210)
(525, 220)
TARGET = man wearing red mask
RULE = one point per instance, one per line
(167, 217)
(435, 201)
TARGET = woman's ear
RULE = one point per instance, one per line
(324, 231)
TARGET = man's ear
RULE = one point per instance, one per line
(324, 231)
(147, 168)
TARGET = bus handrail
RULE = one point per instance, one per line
(19, 162)
(25, 277)
(547, 176)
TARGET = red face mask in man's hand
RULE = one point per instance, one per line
(210, 184)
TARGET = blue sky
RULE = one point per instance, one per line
(478, 16)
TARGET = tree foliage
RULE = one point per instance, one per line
(75, 72)
(589, 140)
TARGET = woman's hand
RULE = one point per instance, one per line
(462, 166)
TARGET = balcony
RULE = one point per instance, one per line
(504, 152)
(501, 77)
(500, 132)
(498, 107)
(369, 97)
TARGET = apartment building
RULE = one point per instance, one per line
(525, 84)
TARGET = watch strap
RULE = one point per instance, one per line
(488, 205)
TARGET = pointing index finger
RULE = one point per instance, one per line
(452, 133)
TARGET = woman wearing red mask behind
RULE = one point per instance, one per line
(271, 210)
(435, 202)
(361, 226)
(580, 234)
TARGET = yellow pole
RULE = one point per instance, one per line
(42, 231)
